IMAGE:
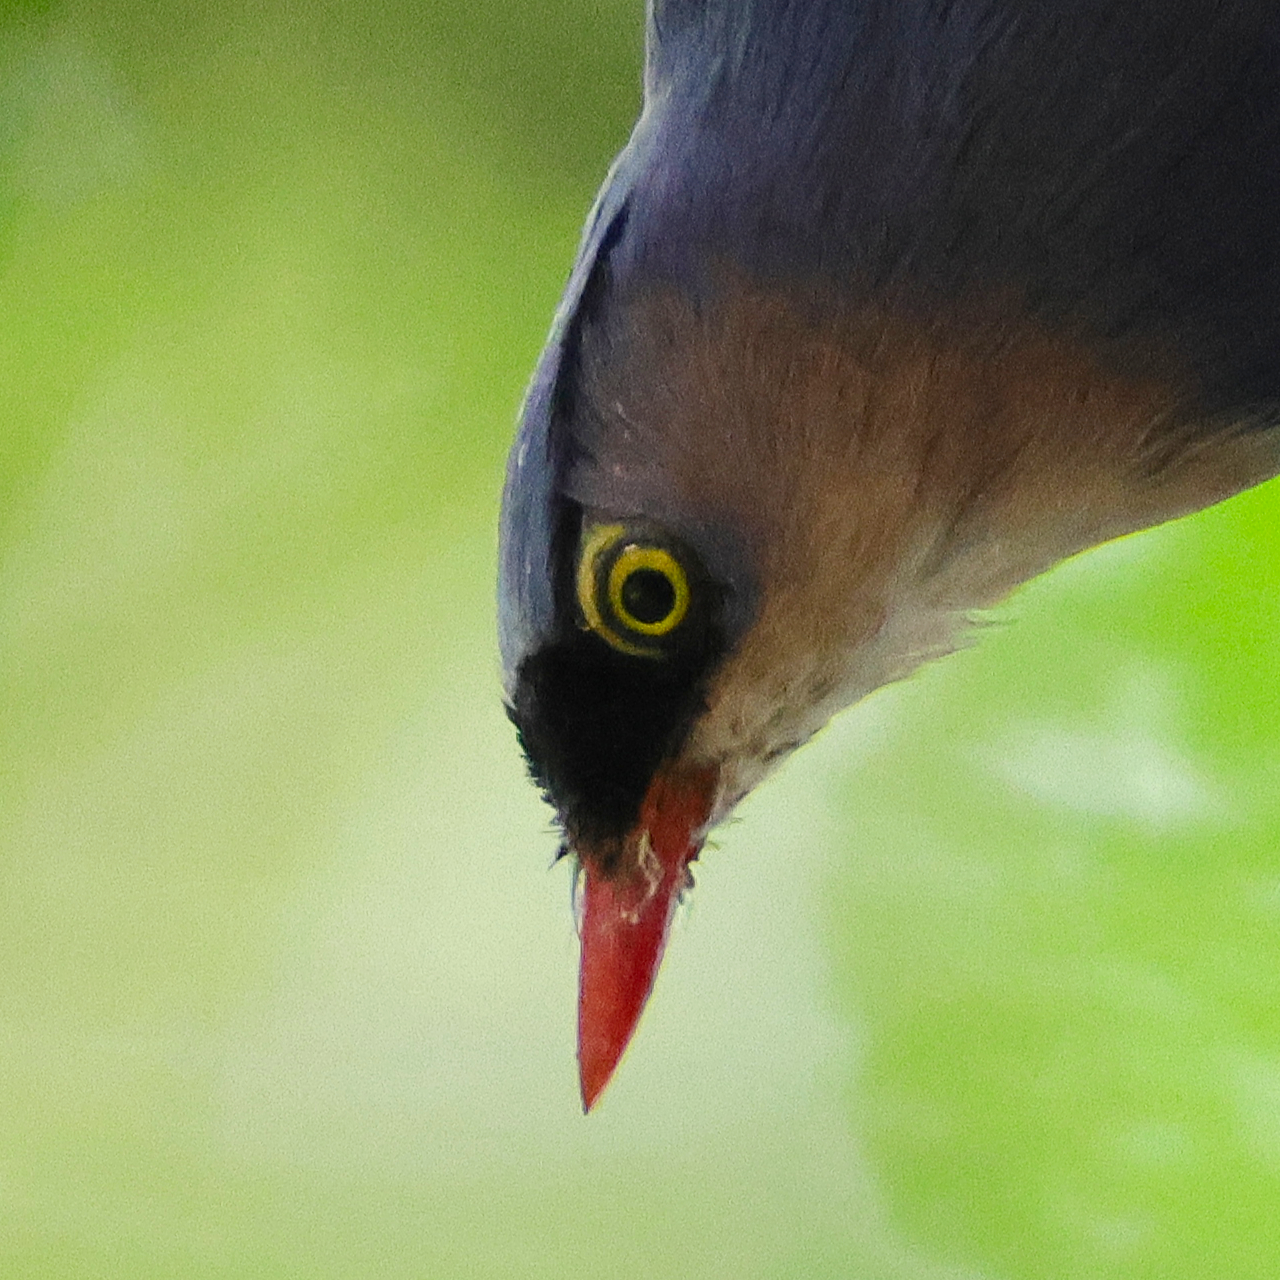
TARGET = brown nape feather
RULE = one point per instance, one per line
(888, 473)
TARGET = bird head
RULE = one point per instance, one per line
(803, 416)
(754, 511)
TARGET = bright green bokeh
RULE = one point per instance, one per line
(985, 984)
(1074, 1024)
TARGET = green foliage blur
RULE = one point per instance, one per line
(983, 985)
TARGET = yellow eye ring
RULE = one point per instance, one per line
(601, 538)
(606, 564)
(637, 559)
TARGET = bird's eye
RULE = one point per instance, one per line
(633, 591)
(648, 590)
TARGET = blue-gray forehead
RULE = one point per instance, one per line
(532, 502)
(526, 606)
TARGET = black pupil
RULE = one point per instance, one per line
(648, 596)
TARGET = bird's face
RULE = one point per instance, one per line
(605, 708)
(769, 509)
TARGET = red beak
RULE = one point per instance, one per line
(625, 918)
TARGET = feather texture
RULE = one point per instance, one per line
(887, 306)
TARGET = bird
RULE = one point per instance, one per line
(885, 308)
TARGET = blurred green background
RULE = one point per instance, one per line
(985, 984)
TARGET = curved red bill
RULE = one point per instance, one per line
(625, 918)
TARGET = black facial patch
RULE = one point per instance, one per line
(595, 724)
